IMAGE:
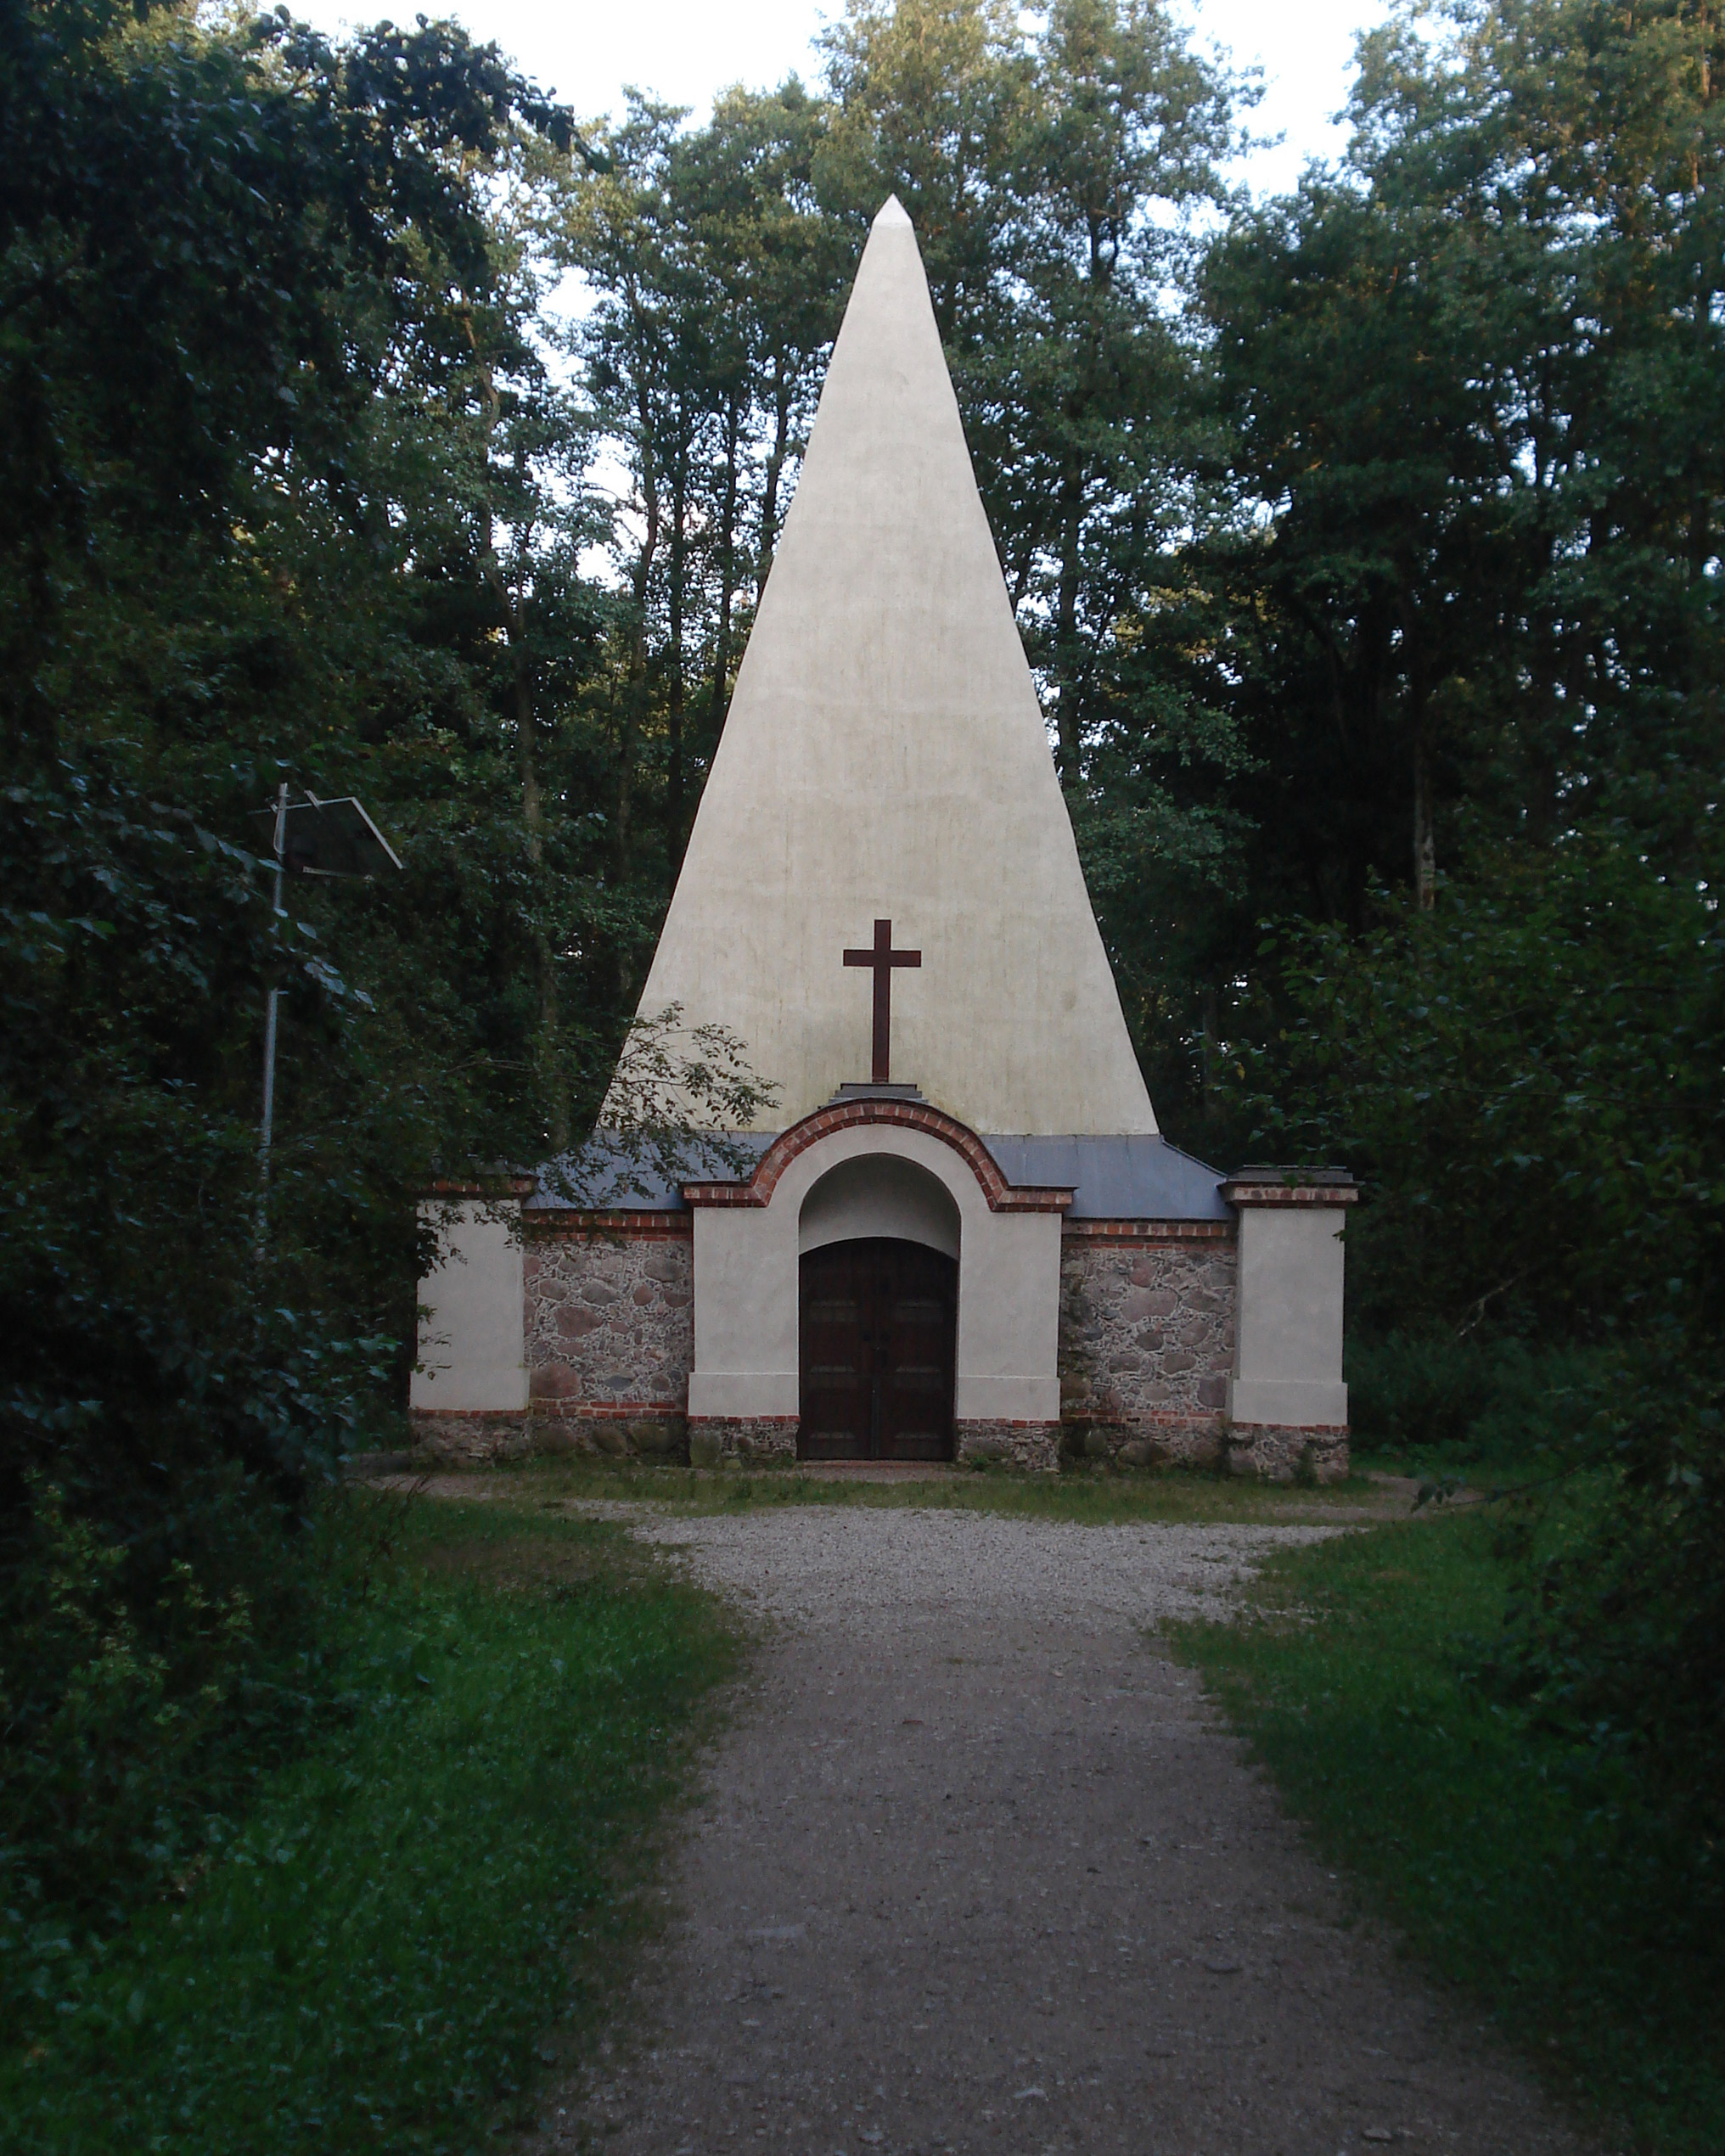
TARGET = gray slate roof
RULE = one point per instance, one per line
(1116, 1179)
(1113, 1178)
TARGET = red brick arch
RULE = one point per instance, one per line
(903, 1114)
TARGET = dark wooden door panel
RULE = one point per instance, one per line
(836, 1395)
(877, 1331)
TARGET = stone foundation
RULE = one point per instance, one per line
(472, 1440)
(1146, 1344)
(771, 1439)
(1034, 1447)
(1276, 1453)
(609, 1322)
(1147, 1442)
(478, 1439)
(649, 1435)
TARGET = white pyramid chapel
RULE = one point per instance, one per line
(885, 755)
(961, 1237)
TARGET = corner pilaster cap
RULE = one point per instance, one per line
(1258, 1185)
(502, 1187)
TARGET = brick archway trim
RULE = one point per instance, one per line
(902, 1114)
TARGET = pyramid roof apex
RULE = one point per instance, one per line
(885, 758)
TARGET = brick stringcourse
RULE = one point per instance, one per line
(503, 1189)
(603, 1411)
(550, 1222)
(1130, 1232)
(1283, 1193)
(912, 1115)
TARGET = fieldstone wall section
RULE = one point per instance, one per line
(470, 1439)
(1147, 1342)
(479, 1440)
(1273, 1452)
(1033, 1446)
(770, 1438)
(610, 1325)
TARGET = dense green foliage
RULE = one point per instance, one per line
(239, 273)
(375, 1957)
(1525, 1865)
(1468, 375)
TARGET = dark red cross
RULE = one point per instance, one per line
(883, 959)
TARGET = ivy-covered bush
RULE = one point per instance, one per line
(1528, 1078)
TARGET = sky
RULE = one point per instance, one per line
(685, 50)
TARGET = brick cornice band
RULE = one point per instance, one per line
(499, 1191)
(911, 1115)
(1129, 1231)
(1295, 1193)
(550, 1221)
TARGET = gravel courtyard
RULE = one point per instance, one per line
(973, 1868)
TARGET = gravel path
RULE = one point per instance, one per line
(973, 1869)
(878, 1571)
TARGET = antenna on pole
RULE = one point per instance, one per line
(272, 1003)
(308, 838)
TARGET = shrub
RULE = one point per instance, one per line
(1498, 1403)
(1617, 1638)
(137, 1708)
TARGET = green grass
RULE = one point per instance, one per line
(425, 1901)
(1519, 1869)
(1085, 1494)
(1456, 1464)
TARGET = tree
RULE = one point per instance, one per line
(717, 279)
(262, 351)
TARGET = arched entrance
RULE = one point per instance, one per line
(877, 1325)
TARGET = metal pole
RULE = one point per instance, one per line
(273, 999)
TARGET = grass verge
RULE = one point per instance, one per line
(1518, 1867)
(1085, 1495)
(425, 1905)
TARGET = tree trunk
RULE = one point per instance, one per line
(727, 571)
(512, 609)
(550, 1056)
(635, 688)
(673, 709)
(775, 465)
(1419, 730)
(1067, 718)
(1425, 840)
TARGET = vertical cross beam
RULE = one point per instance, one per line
(881, 959)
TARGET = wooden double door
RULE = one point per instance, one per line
(877, 1331)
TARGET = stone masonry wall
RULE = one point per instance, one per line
(610, 1324)
(1033, 1446)
(1273, 1453)
(1146, 1344)
(768, 1439)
